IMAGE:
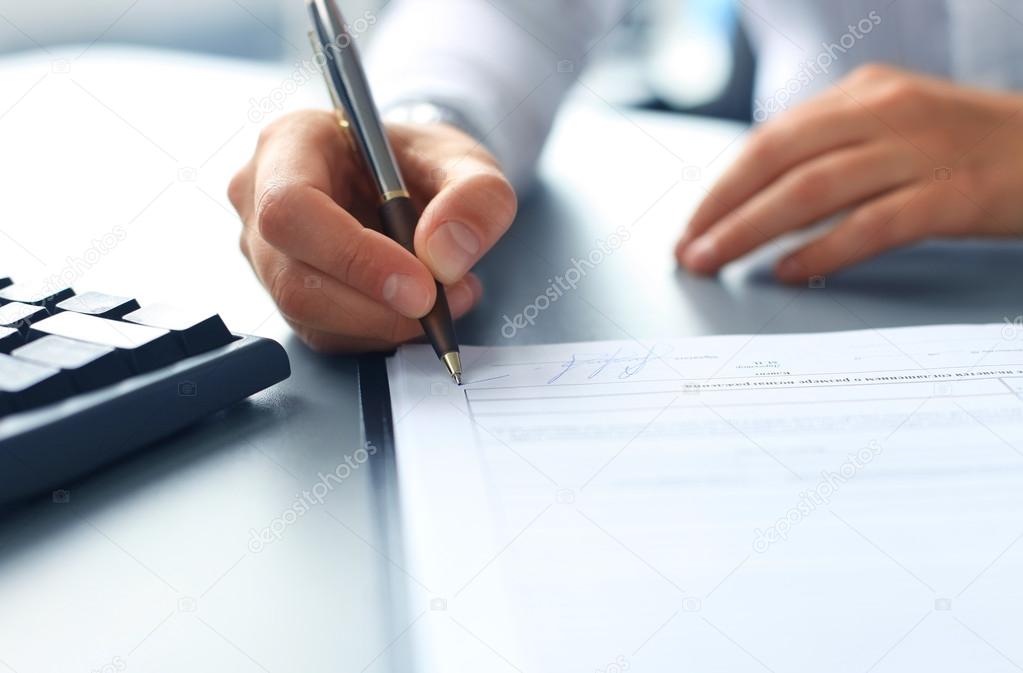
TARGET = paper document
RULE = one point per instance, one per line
(821, 502)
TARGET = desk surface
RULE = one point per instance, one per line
(151, 564)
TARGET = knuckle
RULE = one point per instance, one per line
(404, 136)
(480, 152)
(272, 212)
(763, 145)
(865, 216)
(288, 293)
(268, 132)
(355, 262)
(318, 121)
(893, 94)
(872, 72)
(487, 199)
(811, 186)
(495, 190)
(873, 221)
(321, 124)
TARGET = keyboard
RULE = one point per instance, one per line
(86, 379)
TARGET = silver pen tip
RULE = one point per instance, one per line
(454, 366)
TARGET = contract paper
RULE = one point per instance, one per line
(820, 502)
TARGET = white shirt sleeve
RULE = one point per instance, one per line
(502, 65)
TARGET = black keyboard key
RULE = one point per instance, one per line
(147, 348)
(25, 385)
(100, 305)
(90, 366)
(5, 281)
(19, 316)
(10, 339)
(40, 294)
(198, 332)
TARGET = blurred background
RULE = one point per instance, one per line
(684, 55)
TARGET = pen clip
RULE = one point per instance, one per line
(320, 62)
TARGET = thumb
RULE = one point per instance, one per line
(473, 207)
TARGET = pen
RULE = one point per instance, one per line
(358, 116)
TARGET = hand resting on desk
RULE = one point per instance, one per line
(909, 158)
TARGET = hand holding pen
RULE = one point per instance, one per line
(312, 230)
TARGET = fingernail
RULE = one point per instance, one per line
(453, 249)
(406, 295)
(701, 255)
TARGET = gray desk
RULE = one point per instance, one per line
(151, 564)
